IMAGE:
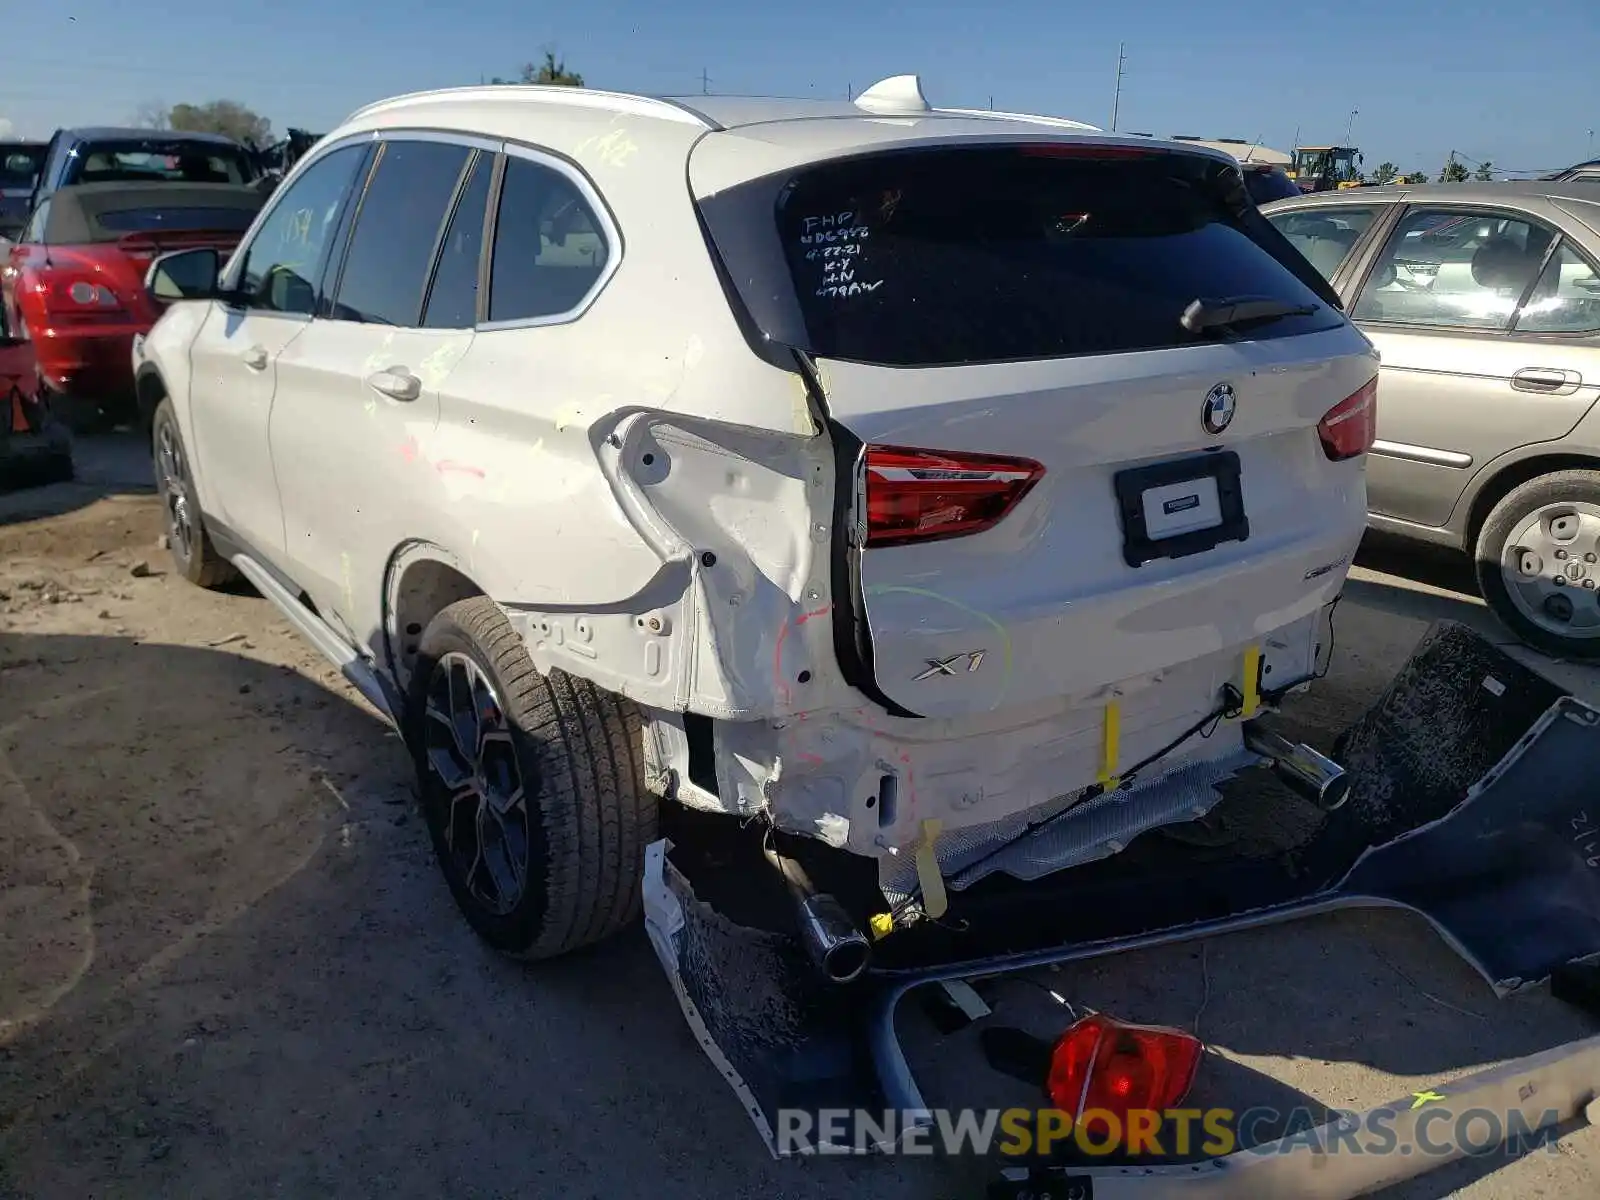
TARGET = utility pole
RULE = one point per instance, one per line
(1116, 95)
(705, 82)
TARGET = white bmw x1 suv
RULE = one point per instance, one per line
(889, 479)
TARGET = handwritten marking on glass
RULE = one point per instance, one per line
(1587, 828)
(834, 240)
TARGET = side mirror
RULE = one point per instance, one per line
(184, 275)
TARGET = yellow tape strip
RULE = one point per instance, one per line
(1109, 750)
(934, 900)
(882, 925)
(1252, 682)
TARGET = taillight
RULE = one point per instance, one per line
(924, 495)
(70, 294)
(1106, 1065)
(1351, 426)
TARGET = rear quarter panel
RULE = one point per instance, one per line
(640, 462)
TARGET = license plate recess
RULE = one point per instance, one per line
(1157, 507)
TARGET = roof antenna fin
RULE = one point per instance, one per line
(897, 94)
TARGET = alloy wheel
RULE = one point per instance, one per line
(472, 761)
(174, 472)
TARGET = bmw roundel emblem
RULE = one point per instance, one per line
(1217, 412)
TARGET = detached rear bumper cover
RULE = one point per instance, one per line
(1547, 1089)
(1471, 805)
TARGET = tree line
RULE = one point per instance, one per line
(239, 122)
(1454, 171)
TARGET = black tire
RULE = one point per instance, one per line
(1558, 487)
(587, 814)
(193, 555)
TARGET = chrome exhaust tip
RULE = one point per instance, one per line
(1312, 775)
(840, 949)
(838, 946)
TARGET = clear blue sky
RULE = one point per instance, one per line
(1517, 84)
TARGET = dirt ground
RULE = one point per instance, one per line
(228, 967)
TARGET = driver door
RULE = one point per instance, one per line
(273, 284)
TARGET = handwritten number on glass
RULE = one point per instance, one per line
(1586, 829)
(835, 240)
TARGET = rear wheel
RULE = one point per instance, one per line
(1538, 563)
(195, 558)
(532, 787)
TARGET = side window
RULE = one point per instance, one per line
(396, 230)
(548, 246)
(1324, 235)
(1453, 268)
(280, 266)
(1566, 299)
(453, 299)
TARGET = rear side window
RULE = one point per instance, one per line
(1325, 235)
(396, 231)
(986, 254)
(549, 247)
(453, 299)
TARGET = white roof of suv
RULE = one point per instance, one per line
(765, 134)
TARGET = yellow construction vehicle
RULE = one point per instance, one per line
(1326, 168)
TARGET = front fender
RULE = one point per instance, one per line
(161, 367)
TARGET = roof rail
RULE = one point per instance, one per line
(570, 97)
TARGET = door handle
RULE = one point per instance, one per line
(396, 382)
(1545, 379)
(256, 358)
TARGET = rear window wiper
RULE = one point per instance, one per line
(1202, 315)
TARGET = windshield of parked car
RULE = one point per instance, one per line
(155, 160)
(19, 165)
(1266, 184)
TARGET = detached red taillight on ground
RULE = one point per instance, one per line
(1350, 427)
(1107, 1066)
(926, 495)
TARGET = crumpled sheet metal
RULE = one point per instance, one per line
(1472, 806)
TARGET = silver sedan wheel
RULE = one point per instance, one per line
(1551, 568)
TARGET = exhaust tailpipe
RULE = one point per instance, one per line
(1318, 778)
(835, 943)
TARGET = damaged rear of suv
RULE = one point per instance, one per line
(1097, 443)
(927, 495)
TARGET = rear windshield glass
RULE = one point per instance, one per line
(143, 220)
(985, 254)
(160, 160)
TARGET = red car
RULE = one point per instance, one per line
(74, 282)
